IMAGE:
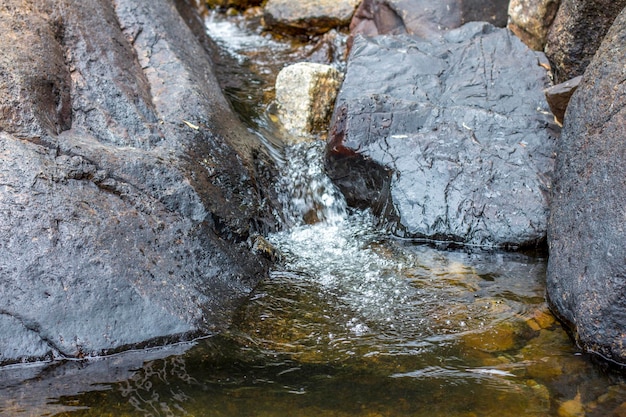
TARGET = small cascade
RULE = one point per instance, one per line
(307, 194)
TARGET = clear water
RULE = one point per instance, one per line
(351, 323)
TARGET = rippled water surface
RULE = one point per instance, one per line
(350, 323)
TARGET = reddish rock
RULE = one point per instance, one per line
(558, 97)
(586, 277)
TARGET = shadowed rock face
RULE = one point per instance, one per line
(587, 267)
(446, 139)
(129, 192)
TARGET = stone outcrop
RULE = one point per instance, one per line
(309, 17)
(129, 191)
(305, 94)
(587, 270)
(576, 34)
(446, 139)
(425, 18)
(530, 20)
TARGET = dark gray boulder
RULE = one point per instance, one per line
(586, 282)
(130, 194)
(446, 139)
(576, 34)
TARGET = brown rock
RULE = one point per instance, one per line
(586, 229)
(558, 97)
(576, 34)
(308, 17)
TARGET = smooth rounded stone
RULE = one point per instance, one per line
(128, 203)
(425, 18)
(587, 230)
(576, 34)
(305, 94)
(446, 139)
(530, 20)
(308, 16)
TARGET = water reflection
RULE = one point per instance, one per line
(355, 324)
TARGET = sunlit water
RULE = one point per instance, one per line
(351, 322)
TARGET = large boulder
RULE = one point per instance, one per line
(129, 192)
(586, 282)
(446, 139)
(425, 18)
(576, 34)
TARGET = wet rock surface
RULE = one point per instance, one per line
(446, 140)
(425, 18)
(576, 34)
(586, 284)
(128, 189)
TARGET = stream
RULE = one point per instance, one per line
(351, 322)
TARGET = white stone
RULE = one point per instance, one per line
(305, 95)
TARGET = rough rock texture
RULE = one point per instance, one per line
(447, 139)
(558, 97)
(587, 229)
(305, 94)
(530, 20)
(128, 189)
(576, 34)
(308, 17)
(425, 18)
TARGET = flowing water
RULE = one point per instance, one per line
(351, 322)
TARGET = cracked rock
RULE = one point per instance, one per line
(447, 140)
(128, 188)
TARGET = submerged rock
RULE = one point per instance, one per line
(446, 139)
(310, 17)
(530, 20)
(576, 34)
(128, 188)
(586, 281)
(305, 94)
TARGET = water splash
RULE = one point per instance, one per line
(307, 194)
